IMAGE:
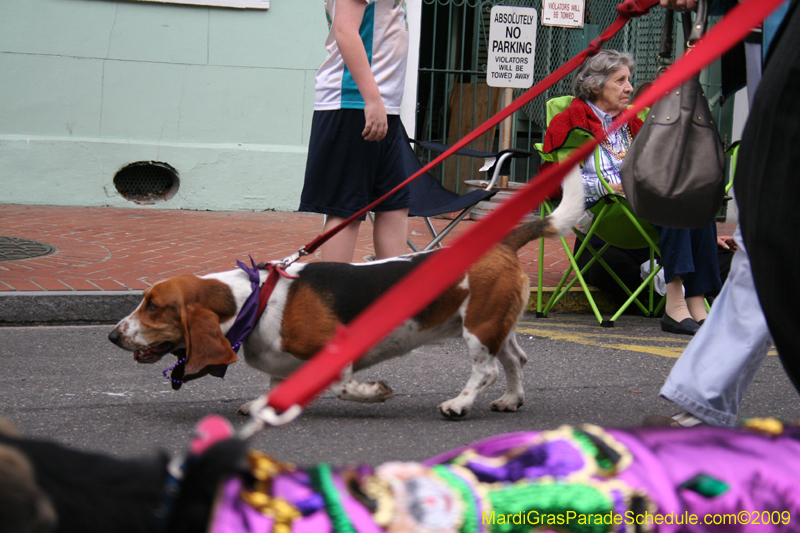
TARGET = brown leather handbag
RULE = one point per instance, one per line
(673, 174)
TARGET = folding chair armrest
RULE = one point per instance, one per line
(516, 153)
(488, 157)
(494, 163)
(606, 185)
(733, 153)
(556, 156)
(441, 148)
(547, 157)
(500, 166)
(576, 138)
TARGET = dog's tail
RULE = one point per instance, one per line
(560, 221)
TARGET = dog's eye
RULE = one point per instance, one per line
(151, 306)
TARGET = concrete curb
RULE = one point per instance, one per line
(66, 307)
(108, 307)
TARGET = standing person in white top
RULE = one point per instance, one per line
(357, 139)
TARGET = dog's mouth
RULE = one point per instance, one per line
(151, 354)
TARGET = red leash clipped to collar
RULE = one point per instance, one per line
(275, 270)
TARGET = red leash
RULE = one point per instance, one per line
(276, 270)
(418, 289)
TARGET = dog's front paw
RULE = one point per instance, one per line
(244, 409)
(372, 392)
(507, 404)
(453, 410)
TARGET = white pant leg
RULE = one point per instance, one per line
(718, 366)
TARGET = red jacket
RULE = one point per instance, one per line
(578, 115)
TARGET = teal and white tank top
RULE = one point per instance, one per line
(384, 32)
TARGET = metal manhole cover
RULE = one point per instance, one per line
(13, 249)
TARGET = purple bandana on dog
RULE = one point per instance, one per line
(254, 305)
(247, 317)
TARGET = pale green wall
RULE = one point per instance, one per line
(223, 95)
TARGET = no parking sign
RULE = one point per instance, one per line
(512, 47)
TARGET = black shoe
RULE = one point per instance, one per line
(687, 326)
(700, 323)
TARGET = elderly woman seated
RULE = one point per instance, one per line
(602, 89)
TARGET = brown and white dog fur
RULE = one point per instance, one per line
(190, 314)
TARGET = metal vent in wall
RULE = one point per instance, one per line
(147, 181)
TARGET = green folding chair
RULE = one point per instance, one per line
(733, 153)
(612, 221)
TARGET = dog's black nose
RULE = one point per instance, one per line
(114, 336)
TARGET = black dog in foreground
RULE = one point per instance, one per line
(46, 487)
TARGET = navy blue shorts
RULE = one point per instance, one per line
(345, 173)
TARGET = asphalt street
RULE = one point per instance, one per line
(71, 385)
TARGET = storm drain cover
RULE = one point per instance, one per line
(13, 249)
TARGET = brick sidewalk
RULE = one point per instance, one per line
(125, 249)
(104, 250)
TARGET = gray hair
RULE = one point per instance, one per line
(593, 74)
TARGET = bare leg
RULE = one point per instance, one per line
(390, 233)
(340, 248)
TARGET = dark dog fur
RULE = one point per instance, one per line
(24, 506)
(47, 487)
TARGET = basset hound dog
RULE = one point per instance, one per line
(190, 316)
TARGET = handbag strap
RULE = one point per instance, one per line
(692, 31)
(667, 42)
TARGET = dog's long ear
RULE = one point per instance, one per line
(205, 344)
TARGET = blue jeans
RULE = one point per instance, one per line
(712, 375)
